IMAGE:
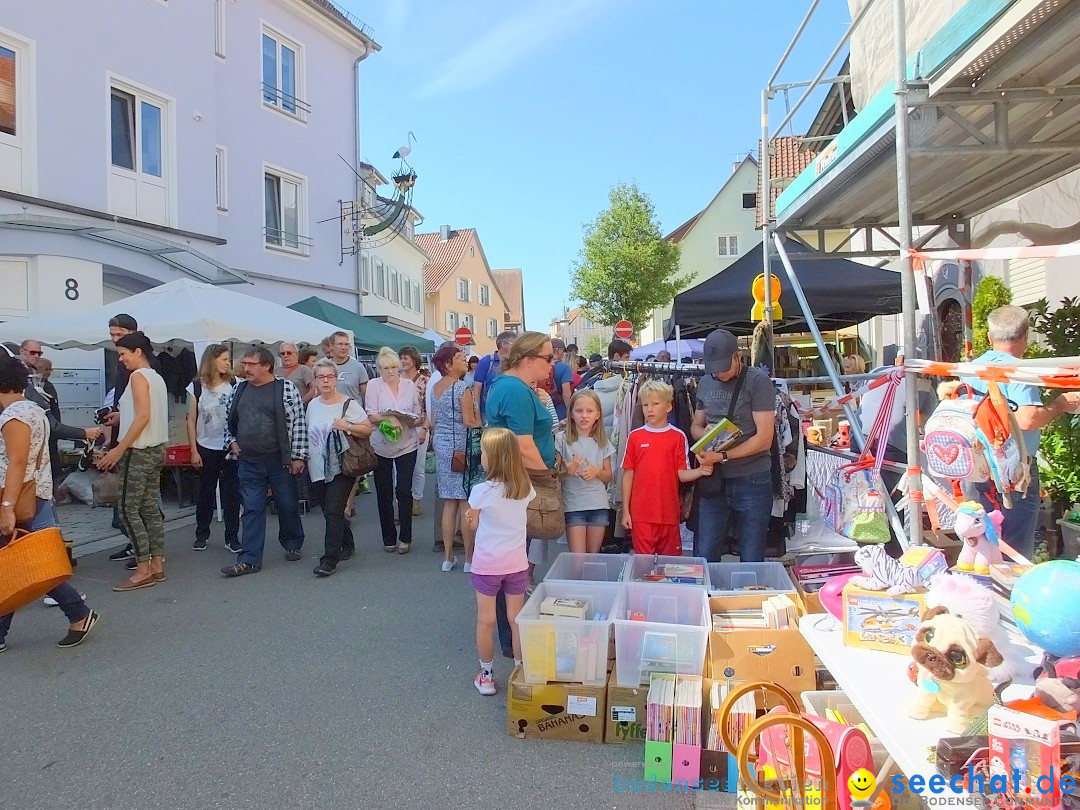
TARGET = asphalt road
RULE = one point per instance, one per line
(277, 690)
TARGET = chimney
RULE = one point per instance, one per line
(444, 233)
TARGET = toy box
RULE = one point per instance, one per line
(928, 560)
(876, 621)
(1030, 746)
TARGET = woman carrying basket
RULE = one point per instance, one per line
(24, 457)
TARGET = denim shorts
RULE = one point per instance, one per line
(511, 584)
(589, 517)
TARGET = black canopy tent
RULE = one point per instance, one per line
(840, 292)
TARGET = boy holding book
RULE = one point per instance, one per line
(656, 460)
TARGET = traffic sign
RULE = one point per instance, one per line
(624, 329)
(463, 336)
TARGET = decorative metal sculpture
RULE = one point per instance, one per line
(364, 227)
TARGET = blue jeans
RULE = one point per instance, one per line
(1018, 530)
(65, 595)
(747, 501)
(255, 478)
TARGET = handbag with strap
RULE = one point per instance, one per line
(545, 517)
(357, 458)
(26, 502)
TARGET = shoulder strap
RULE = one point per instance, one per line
(735, 395)
(345, 407)
(196, 388)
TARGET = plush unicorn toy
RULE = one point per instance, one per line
(980, 532)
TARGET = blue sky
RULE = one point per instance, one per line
(528, 112)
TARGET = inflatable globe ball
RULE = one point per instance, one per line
(1044, 604)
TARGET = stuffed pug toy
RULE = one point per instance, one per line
(953, 675)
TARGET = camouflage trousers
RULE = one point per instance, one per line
(140, 485)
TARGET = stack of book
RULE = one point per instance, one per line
(566, 608)
(686, 573)
(776, 613)
(658, 708)
(1002, 578)
(813, 577)
(688, 710)
(564, 655)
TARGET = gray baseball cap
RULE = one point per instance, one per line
(720, 348)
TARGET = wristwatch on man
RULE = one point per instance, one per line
(723, 456)
(7, 504)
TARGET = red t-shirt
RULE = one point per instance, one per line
(656, 455)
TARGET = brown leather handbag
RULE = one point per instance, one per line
(545, 517)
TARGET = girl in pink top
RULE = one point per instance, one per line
(500, 562)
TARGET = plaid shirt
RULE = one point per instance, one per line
(295, 420)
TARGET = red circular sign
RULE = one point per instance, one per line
(463, 336)
(624, 329)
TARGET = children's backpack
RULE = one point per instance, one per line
(951, 441)
(1006, 452)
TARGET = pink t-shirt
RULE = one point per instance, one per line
(500, 537)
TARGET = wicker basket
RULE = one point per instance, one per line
(31, 565)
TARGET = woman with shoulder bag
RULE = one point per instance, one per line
(332, 417)
(513, 404)
(26, 483)
(453, 414)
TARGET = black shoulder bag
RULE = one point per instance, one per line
(713, 485)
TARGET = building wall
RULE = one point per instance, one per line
(404, 256)
(725, 216)
(473, 268)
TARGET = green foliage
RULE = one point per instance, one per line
(595, 344)
(626, 268)
(1059, 451)
(990, 294)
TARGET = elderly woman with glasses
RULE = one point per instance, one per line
(393, 406)
(330, 416)
(297, 372)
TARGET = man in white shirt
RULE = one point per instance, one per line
(352, 376)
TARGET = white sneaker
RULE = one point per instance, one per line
(485, 684)
(467, 568)
(448, 565)
(50, 602)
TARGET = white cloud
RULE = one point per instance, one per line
(511, 41)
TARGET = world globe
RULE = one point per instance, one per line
(1044, 605)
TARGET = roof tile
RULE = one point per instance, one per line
(444, 255)
(787, 160)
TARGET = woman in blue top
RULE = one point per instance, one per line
(512, 404)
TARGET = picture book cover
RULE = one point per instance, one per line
(718, 437)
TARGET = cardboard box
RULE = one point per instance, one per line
(780, 656)
(808, 602)
(625, 719)
(555, 711)
(875, 621)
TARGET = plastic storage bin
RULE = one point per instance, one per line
(671, 637)
(573, 567)
(726, 579)
(554, 648)
(641, 564)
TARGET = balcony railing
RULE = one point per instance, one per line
(275, 237)
(276, 97)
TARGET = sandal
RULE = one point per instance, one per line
(133, 584)
(75, 637)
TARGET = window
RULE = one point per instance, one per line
(462, 289)
(406, 292)
(8, 90)
(380, 279)
(493, 327)
(485, 295)
(727, 245)
(139, 125)
(749, 200)
(365, 273)
(451, 322)
(395, 286)
(221, 178)
(136, 133)
(219, 28)
(284, 211)
(281, 75)
(418, 301)
(468, 322)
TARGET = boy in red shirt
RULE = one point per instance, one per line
(653, 465)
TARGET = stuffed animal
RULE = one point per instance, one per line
(953, 677)
(882, 573)
(980, 532)
(1060, 694)
(964, 597)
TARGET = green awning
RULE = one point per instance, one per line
(370, 336)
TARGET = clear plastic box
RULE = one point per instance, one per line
(726, 579)
(571, 566)
(671, 638)
(641, 564)
(554, 648)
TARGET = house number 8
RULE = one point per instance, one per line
(71, 289)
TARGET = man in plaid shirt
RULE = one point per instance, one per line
(267, 432)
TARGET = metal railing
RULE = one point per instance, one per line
(276, 97)
(351, 19)
(276, 237)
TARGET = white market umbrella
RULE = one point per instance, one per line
(181, 312)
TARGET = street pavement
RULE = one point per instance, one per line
(278, 690)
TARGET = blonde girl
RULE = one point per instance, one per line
(497, 511)
(586, 453)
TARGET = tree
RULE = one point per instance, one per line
(626, 268)
(990, 294)
(595, 344)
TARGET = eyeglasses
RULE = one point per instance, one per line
(547, 357)
(325, 376)
(34, 353)
(285, 354)
(250, 363)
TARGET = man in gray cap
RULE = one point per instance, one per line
(739, 493)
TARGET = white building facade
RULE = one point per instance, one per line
(181, 140)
